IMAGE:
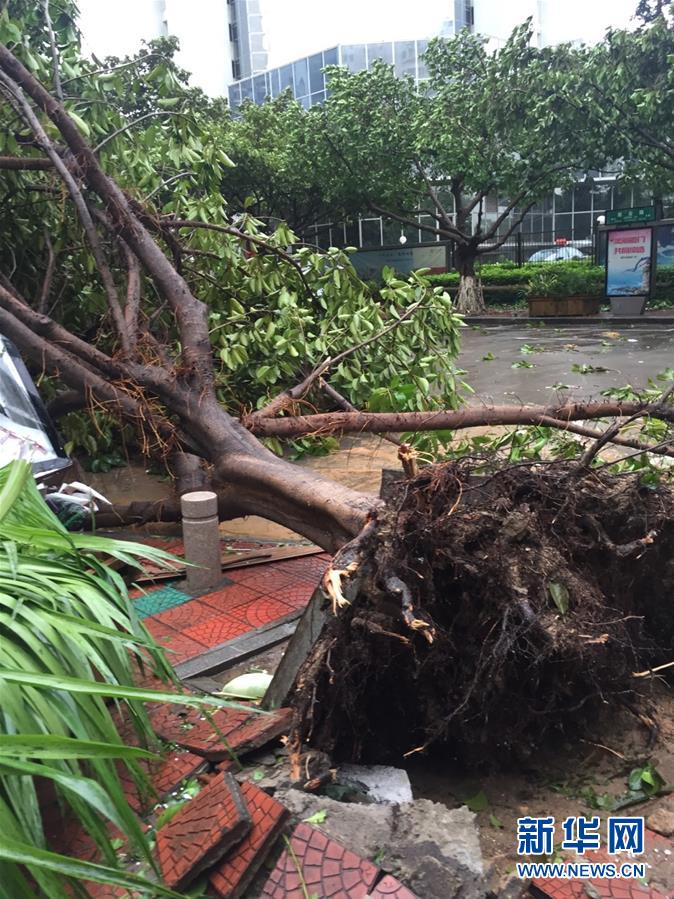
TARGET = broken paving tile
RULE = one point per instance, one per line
(239, 733)
(390, 888)
(202, 831)
(164, 777)
(321, 866)
(232, 878)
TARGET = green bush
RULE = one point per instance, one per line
(582, 276)
(557, 281)
(70, 641)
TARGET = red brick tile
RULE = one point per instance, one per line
(171, 721)
(228, 598)
(261, 610)
(216, 630)
(157, 627)
(186, 615)
(262, 577)
(231, 879)
(180, 646)
(163, 778)
(389, 887)
(238, 733)
(297, 595)
(202, 831)
(351, 878)
(68, 837)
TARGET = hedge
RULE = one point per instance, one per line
(510, 276)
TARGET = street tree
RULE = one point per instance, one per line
(472, 148)
(623, 88)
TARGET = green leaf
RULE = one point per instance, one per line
(318, 817)
(478, 802)
(54, 746)
(32, 857)
(560, 596)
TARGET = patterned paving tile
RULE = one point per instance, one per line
(231, 879)
(159, 600)
(237, 733)
(157, 628)
(227, 599)
(390, 888)
(163, 778)
(68, 837)
(296, 595)
(202, 832)
(655, 848)
(180, 647)
(188, 614)
(327, 869)
(216, 630)
(261, 610)
(262, 577)
(171, 722)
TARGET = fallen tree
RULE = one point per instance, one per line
(155, 367)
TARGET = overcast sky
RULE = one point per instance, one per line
(295, 28)
(298, 27)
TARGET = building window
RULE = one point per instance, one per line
(259, 88)
(383, 52)
(405, 59)
(422, 46)
(286, 73)
(331, 57)
(236, 69)
(353, 57)
(301, 75)
(316, 79)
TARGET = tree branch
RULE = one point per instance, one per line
(18, 100)
(48, 275)
(190, 313)
(24, 164)
(397, 422)
(58, 89)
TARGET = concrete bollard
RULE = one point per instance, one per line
(201, 539)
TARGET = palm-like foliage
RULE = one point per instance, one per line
(69, 642)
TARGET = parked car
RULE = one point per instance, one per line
(556, 254)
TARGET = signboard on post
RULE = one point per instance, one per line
(628, 263)
(633, 214)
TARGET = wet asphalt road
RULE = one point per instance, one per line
(631, 355)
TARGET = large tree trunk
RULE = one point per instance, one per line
(470, 298)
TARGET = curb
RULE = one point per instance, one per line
(639, 321)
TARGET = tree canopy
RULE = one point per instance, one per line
(471, 149)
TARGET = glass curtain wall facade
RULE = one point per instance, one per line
(305, 77)
(570, 214)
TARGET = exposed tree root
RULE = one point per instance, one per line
(487, 614)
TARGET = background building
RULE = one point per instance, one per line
(220, 40)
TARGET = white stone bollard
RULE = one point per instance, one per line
(201, 539)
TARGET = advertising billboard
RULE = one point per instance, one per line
(369, 263)
(628, 263)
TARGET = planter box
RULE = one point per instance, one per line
(628, 306)
(557, 307)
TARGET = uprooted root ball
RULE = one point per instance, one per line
(534, 595)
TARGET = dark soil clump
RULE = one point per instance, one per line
(493, 614)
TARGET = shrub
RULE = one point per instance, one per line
(70, 640)
(557, 281)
